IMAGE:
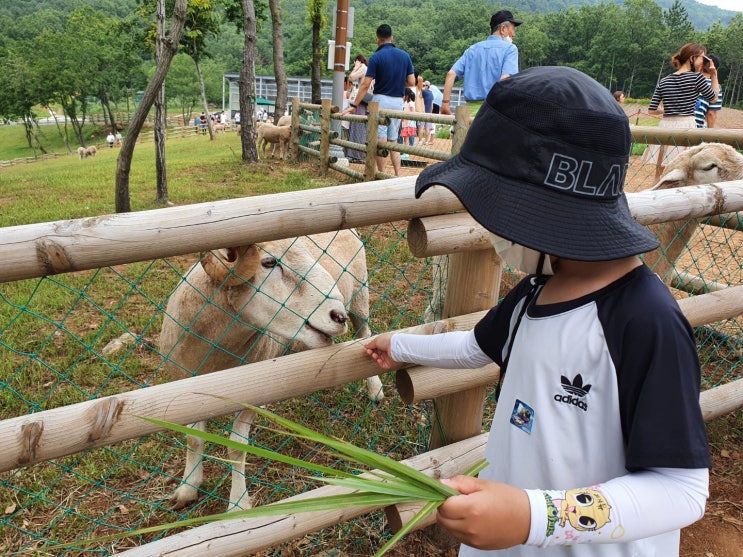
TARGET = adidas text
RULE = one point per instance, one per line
(570, 399)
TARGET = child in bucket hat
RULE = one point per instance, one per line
(597, 445)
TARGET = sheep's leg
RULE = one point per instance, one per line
(239, 498)
(193, 473)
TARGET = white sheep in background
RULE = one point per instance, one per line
(82, 152)
(278, 287)
(285, 120)
(276, 135)
(704, 164)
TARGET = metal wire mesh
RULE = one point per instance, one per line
(80, 336)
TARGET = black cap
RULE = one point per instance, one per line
(501, 16)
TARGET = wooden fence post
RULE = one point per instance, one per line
(325, 136)
(372, 128)
(294, 139)
(474, 283)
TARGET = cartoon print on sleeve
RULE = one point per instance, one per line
(579, 510)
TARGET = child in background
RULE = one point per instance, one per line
(597, 446)
(408, 128)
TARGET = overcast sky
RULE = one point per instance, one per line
(736, 5)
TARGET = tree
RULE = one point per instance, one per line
(316, 16)
(680, 27)
(124, 162)
(201, 22)
(282, 88)
(247, 76)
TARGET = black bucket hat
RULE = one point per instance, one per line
(543, 165)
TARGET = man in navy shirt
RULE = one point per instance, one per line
(391, 70)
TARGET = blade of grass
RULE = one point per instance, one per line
(313, 504)
(252, 449)
(357, 454)
(376, 486)
(427, 509)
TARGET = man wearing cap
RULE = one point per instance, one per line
(427, 127)
(485, 63)
(391, 70)
(597, 446)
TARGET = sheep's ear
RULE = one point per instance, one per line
(673, 179)
(231, 266)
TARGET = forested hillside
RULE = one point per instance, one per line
(73, 52)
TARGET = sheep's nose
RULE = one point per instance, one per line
(338, 317)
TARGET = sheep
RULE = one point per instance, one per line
(268, 133)
(83, 152)
(285, 121)
(703, 164)
(299, 301)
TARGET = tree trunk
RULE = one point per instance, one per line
(159, 136)
(124, 162)
(202, 90)
(279, 70)
(247, 76)
(160, 131)
(316, 76)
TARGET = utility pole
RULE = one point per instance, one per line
(339, 70)
(339, 64)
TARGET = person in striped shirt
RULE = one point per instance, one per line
(705, 112)
(678, 92)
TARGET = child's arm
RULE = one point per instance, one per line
(453, 350)
(491, 515)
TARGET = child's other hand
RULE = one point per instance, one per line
(379, 349)
(488, 515)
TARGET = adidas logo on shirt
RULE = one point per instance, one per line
(576, 392)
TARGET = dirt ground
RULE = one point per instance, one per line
(720, 532)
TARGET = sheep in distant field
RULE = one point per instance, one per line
(703, 164)
(215, 316)
(83, 152)
(276, 135)
(219, 128)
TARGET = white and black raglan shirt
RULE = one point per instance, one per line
(598, 419)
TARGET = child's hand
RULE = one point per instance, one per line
(379, 349)
(488, 515)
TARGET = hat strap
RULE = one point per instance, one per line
(537, 284)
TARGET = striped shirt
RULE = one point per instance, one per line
(704, 106)
(679, 92)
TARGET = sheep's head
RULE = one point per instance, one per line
(280, 288)
(703, 164)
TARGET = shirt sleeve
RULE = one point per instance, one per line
(638, 506)
(453, 350)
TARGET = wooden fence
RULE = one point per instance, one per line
(61, 247)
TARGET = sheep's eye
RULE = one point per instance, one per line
(710, 166)
(269, 262)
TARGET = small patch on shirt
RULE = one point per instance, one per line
(522, 416)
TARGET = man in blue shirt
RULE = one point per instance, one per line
(485, 63)
(391, 70)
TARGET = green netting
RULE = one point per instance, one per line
(84, 335)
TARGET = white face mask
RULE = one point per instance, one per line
(520, 257)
